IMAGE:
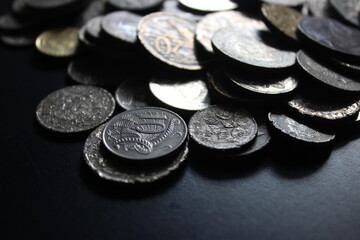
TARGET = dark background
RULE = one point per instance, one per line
(48, 192)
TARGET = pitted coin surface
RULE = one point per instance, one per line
(135, 5)
(209, 5)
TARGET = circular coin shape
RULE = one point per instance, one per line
(145, 133)
(75, 109)
(290, 3)
(170, 38)
(108, 167)
(222, 128)
(348, 9)
(331, 34)
(135, 5)
(58, 42)
(247, 46)
(209, 5)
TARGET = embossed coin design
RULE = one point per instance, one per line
(75, 109)
(135, 5)
(59, 42)
(170, 38)
(290, 3)
(222, 128)
(348, 9)
(209, 5)
(145, 133)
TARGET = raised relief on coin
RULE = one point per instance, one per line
(110, 168)
(170, 38)
(135, 5)
(58, 42)
(75, 109)
(290, 3)
(222, 128)
(145, 133)
(348, 9)
(209, 5)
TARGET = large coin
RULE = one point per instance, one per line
(326, 75)
(247, 46)
(213, 22)
(222, 128)
(348, 9)
(170, 38)
(145, 133)
(135, 5)
(75, 109)
(331, 34)
(290, 3)
(209, 5)
(110, 168)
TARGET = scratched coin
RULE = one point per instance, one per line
(135, 5)
(213, 22)
(248, 47)
(222, 127)
(209, 5)
(75, 109)
(348, 9)
(169, 38)
(290, 3)
(325, 75)
(110, 168)
(145, 133)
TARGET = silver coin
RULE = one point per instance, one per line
(172, 6)
(93, 28)
(319, 8)
(75, 109)
(290, 3)
(209, 5)
(135, 5)
(348, 9)
(19, 40)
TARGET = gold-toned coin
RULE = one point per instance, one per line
(58, 42)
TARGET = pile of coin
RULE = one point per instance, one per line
(288, 71)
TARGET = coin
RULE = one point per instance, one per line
(109, 167)
(169, 38)
(172, 6)
(209, 5)
(247, 46)
(93, 28)
(18, 40)
(222, 127)
(295, 130)
(290, 3)
(75, 109)
(348, 9)
(213, 22)
(52, 4)
(58, 42)
(331, 34)
(281, 19)
(94, 9)
(319, 8)
(135, 5)
(145, 133)
(186, 93)
(325, 75)
(347, 65)
(11, 23)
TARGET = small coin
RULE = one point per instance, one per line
(209, 5)
(213, 22)
(348, 9)
(172, 6)
(331, 34)
(325, 75)
(94, 9)
(109, 167)
(298, 131)
(248, 47)
(93, 28)
(290, 3)
(135, 5)
(75, 109)
(18, 40)
(145, 133)
(58, 42)
(319, 8)
(222, 128)
(169, 38)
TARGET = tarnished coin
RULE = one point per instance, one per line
(331, 34)
(247, 46)
(170, 38)
(93, 28)
(290, 3)
(325, 75)
(172, 6)
(348, 9)
(213, 22)
(319, 8)
(298, 131)
(110, 168)
(282, 19)
(186, 93)
(75, 109)
(222, 128)
(121, 25)
(209, 5)
(58, 42)
(145, 133)
(135, 5)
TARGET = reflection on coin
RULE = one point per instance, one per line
(222, 128)
(109, 167)
(348, 9)
(58, 42)
(170, 38)
(209, 5)
(75, 109)
(145, 133)
(290, 3)
(135, 5)
(213, 22)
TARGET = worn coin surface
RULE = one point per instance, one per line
(247, 46)
(145, 133)
(170, 38)
(75, 109)
(58, 42)
(209, 5)
(328, 76)
(331, 34)
(110, 168)
(348, 9)
(213, 22)
(135, 5)
(222, 128)
(290, 3)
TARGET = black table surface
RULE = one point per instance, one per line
(48, 192)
